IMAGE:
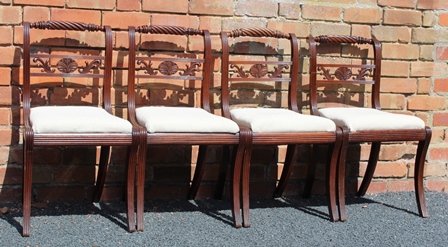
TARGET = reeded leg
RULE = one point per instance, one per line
(198, 173)
(287, 169)
(311, 171)
(371, 165)
(130, 187)
(246, 179)
(332, 160)
(237, 158)
(222, 172)
(141, 165)
(27, 184)
(341, 160)
(418, 177)
(102, 171)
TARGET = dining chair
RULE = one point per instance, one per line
(246, 67)
(366, 122)
(155, 64)
(58, 53)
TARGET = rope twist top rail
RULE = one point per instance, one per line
(58, 25)
(175, 30)
(342, 39)
(258, 32)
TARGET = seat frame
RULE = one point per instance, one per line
(376, 137)
(237, 140)
(292, 139)
(105, 140)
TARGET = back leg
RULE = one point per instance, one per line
(198, 173)
(311, 171)
(287, 169)
(371, 165)
(419, 169)
(102, 171)
(27, 183)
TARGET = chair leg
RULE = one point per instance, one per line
(371, 165)
(341, 163)
(287, 169)
(418, 176)
(222, 173)
(332, 163)
(141, 165)
(246, 178)
(198, 173)
(311, 171)
(237, 159)
(130, 186)
(27, 184)
(102, 171)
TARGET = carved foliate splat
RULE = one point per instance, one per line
(278, 71)
(239, 70)
(45, 65)
(258, 70)
(147, 67)
(189, 71)
(168, 68)
(67, 65)
(95, 64)
(345, 73)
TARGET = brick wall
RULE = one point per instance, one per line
(414, 34)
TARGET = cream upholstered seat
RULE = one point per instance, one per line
(280, 120)
(359, 119)
(76, 119)
(159, 119)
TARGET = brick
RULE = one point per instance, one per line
(74, 174)
(426, 103)
(87, 4)
(394, 152)
(392, 101)
(442, 52)
(329, 29)
(229, 24)
(290, 10)
(376, 187)
(256, 8)
(77, 15)
(168, 6)
(400, 51)
(9, 136)
(440, 69)
(128, 5)
(388, 170)
(175, 20)
(60, 193)
(218, 7)
(402, 17)
(438, 153)
(34, 14)
(11, 194)
(301, 30)
(210, 23)
(440, 185)
(362, 15)
(441, 85)
(11, 175)
(432, 4)
(424, 86)
(361, 30)
(443, 19)
(123, 20)
(5, 74)
(401, 4)
(321, 12)
(426, 53)
(440, 119)
(391, 34)
(7, 36)
(419, 69)
(395, 68)
(74, 96)
(430, 19)
(400, 185)
(399, 85)
(10, 15)
(81, 39)
(9, 95)
(424, 35)
(5, 119)
(56, 3)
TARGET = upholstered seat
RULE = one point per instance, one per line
(76, 119)
(280, 120)
(359, 119)
(159, 119)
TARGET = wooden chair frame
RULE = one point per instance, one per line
(376, 137)
(292, 139)
(105, 140)
(237, 140)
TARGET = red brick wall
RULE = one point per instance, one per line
(414, 34)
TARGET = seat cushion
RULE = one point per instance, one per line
(280, 120)
(358, 119)
(183, 119)
(76, 119)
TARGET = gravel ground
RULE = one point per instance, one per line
(377, 220)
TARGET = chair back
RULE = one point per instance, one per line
(344, 66)
(164, 71)
(258, 75)
(63, 68)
